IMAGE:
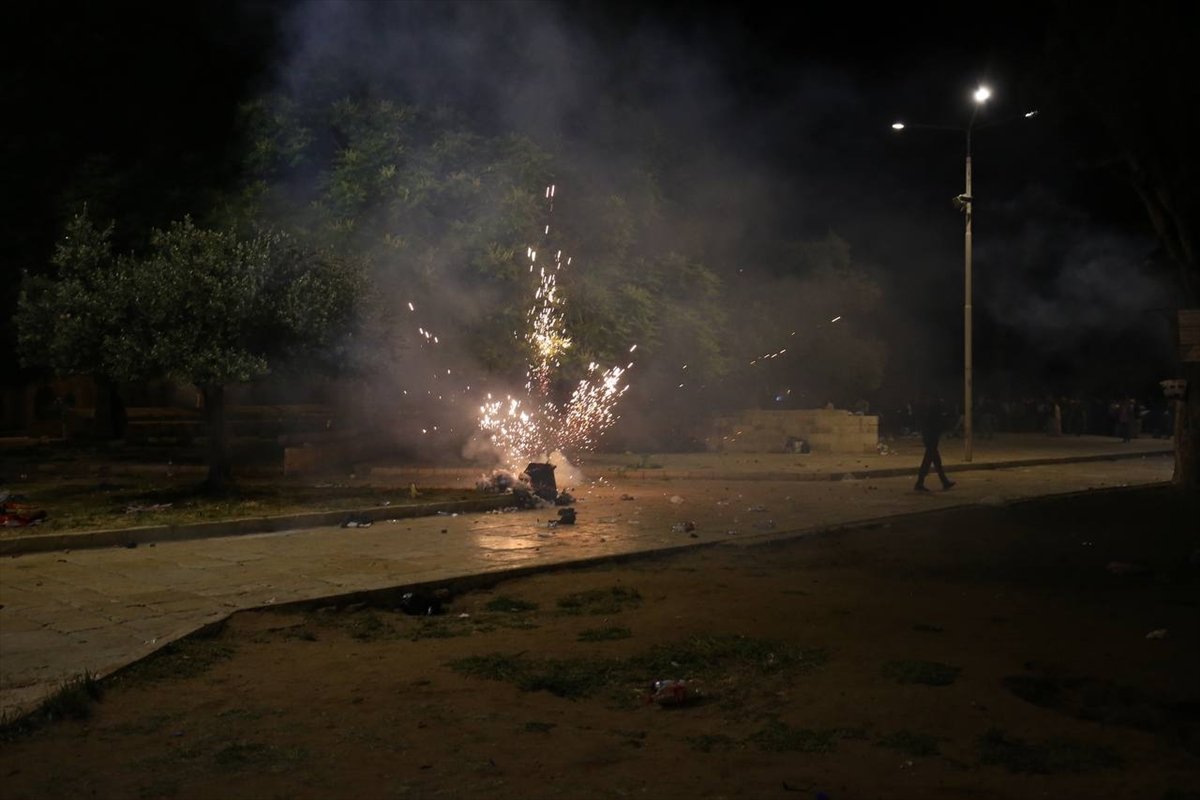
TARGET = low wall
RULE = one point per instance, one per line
(825, 431)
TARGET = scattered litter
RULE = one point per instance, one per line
(12, 518)
(628, 497)
(731, 532)
(566, 516)
(421, 604)
(683, 527)
(757, 508)
(668, 693)
(356, 523)
(722, 502)
(464, 615)
(500, 481)
(152, 507)
(676, 499)
(1160, 633)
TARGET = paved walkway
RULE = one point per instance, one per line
(98, 609)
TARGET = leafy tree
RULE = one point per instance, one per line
(209, 307)
(1120, 74)
(63, 321)
(445, 215)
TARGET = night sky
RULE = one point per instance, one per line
(795, 105)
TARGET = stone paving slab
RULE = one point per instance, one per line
(156, 593)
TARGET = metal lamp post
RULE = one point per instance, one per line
(965, 202)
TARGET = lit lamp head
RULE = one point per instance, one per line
(897, 126)
(982, 94)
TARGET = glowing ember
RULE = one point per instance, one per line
(535, 426)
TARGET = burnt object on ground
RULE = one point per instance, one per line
(566, 516)
(541, 478)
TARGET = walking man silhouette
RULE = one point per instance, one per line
(931, 422)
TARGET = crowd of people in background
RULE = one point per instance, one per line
(1122, 417)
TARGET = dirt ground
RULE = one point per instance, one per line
(983, 652)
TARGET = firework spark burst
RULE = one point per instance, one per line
(533, 426)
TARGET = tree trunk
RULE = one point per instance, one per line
(220, 474)
(109, 421)
(1187, 434)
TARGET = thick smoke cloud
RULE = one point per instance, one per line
(761, 142)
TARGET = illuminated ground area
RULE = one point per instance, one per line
(993, 652)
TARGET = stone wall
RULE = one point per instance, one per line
(825, 431)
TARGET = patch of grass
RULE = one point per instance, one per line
(1043, 757)
(73, 699)
(700, 655)
(918, 745)
(510, 605)
(570, 678)
(707, 743)
(600, 601)
(185, 658)
(927, 673)
(712, 656)
(441, 628)
(88, 505)
(604, 634)
(302, 633)
(366, 626)
(779, 737)
(495, 666)
(240, 755)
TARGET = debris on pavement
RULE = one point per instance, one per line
(356, 523)
(683, 527)
(566, 516)
(541, 478)
(676, 499)
(628, 497)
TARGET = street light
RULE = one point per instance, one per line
(965, 203)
